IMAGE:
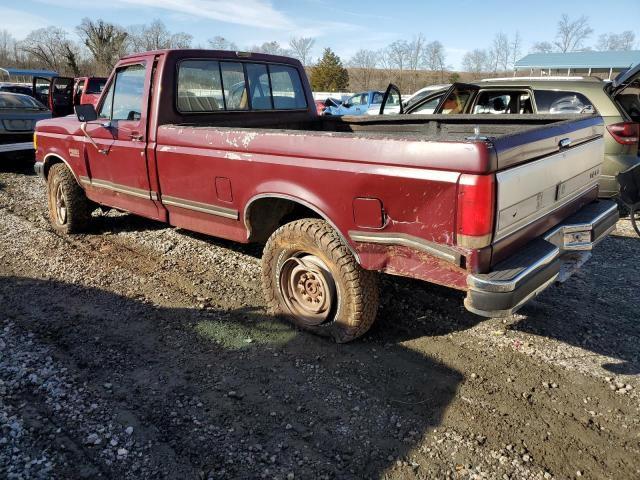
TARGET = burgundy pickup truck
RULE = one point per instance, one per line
(229, 144)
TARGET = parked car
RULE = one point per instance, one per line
(322, 105)
(87, 90)
(423, 197)
(617, 102)
(18, 116)
(358, 104)
(16, 88)
(422, 93)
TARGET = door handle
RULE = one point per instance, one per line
(135, 136)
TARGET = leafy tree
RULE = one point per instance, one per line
(329, 75)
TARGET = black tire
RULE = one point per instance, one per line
(310, 253)
(69, 208)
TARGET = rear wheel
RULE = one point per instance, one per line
(69, 207)
(311, 278)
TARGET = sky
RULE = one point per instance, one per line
(343, 25)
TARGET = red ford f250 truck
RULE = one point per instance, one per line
(229, 144)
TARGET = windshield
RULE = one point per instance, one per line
(95, 85)
(17, 101)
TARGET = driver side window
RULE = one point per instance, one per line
(123, 100)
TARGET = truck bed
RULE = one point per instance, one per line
(513, 139)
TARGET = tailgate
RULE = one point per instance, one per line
(529, 191)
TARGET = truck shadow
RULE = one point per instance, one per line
(16, 164)
(597, 309)
(232, 394)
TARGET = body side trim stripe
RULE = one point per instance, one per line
(201, 207)
(410, 241)
(116, 187)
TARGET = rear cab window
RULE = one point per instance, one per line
(213, 86)
(562, 102)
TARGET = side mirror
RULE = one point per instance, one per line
(86, 113)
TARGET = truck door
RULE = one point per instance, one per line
(41, 87)
(61, 96)
(118, 168)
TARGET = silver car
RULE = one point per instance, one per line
(18, 116)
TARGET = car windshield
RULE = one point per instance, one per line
(95, 85)
(18, 101)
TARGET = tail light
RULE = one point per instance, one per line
(626, 133)
(475, 214)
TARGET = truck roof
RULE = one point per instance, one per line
(206, 53)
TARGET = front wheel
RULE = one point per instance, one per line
(311, 278)
(69, 207)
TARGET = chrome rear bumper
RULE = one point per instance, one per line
(553, 257)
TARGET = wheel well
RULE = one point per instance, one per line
(49, 162)
(266, 215)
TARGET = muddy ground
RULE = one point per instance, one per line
(141, 351)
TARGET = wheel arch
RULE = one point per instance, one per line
(299, 206)
(50, 159)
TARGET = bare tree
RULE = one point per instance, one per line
(572, 34)
(221, 43)
(51, 48)
(475, 61)
(7, 47)
(415, 52)
(542, 47)
(516, 49)
(300, 48)
(614, 41)
(500, 53)
(398, 57)
(364, 64)
(272, 48)
(435, 57)
(106, 41)
(156, 36)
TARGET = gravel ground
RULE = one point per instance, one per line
(140, 351)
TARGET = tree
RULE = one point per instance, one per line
(7, 47)
(51, 48)
(156, 36)
(221, 43)
(613, 41)
(572, 34)
(300, 48)
(475, 61)
(106, 41)
(434, 58)
(500, 53)
(516, 49)
(542, 47)
(271, 48)
(329, 75)
(363, 64)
